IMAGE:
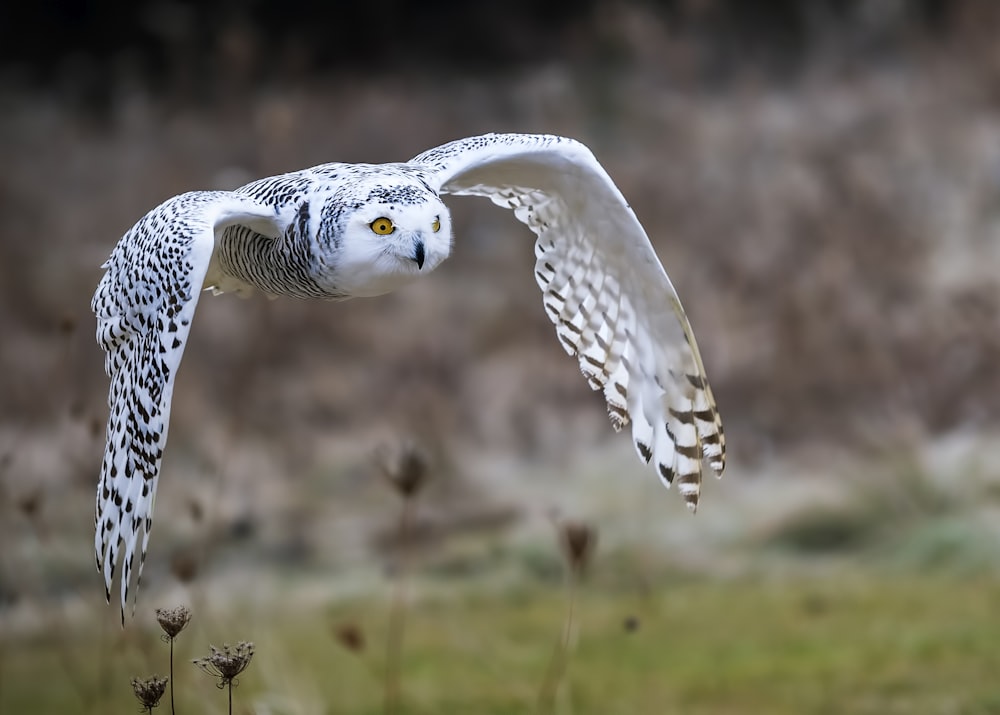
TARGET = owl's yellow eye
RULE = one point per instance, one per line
(436, 226)
(382, 226)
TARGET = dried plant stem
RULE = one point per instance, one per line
(397, 613)
(172, 711)
(59, 621)
(172, 621)
(556, 671)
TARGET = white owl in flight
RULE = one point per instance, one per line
(339, 231)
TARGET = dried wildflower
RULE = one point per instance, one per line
(173, 620)
(77, 409)
(149, 691)
(227, 663)
(95, 426)
(350, 636)
(195, 510)
(405, 468)
(31, 503)
(184, 567)
(66, 325)
(578, 540)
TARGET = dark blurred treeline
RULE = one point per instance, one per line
(83, 42)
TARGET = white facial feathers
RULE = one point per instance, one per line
(387, 237)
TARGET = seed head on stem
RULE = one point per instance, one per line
(184, 567)
(578, 540)
(149, 691)
(405, 467)
(173, 620)
(226, 663)
(350, 636)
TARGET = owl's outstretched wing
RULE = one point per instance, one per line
(604, 288)
(144, 306)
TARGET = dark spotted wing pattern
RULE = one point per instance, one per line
(605, 290)
(144, 306)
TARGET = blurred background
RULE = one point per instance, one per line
(822, 182)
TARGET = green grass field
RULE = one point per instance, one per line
(858, 643)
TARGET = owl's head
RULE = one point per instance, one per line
(391, 229)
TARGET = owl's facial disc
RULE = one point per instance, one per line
(384, 226)
(390, 241)
(416, 234)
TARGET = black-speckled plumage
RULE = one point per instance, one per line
(312, 234)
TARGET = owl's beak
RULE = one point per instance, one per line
(418, 253)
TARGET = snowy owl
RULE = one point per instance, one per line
(339, 231)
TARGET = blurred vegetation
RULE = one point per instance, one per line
(825, 646)
(822, 181)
